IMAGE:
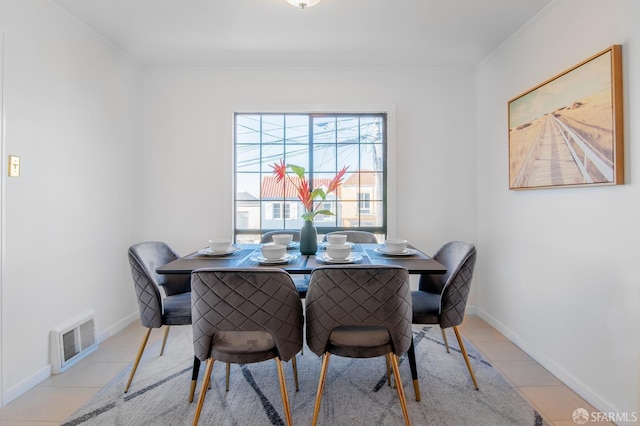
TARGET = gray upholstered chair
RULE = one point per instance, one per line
(244, 316)
(163, 300)
(362, 311)
(357, 237)
(267, 236)
(442, 299)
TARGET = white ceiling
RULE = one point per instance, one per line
(272, 33)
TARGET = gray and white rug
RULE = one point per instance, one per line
(356, 391)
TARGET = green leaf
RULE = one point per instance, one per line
(308, 216)
(299, 171)
(325, 212)
(318, 192)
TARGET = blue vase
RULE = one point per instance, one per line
(308, 238)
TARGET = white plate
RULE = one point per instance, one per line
(208, 252)
(405, 252)
(323, 245)
(264, 261)
(324, 258)
(292, 245)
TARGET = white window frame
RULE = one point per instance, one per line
(388, 109)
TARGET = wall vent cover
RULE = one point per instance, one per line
(71, 342)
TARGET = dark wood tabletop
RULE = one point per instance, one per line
(248, 256)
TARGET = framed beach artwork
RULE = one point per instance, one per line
(568, 131)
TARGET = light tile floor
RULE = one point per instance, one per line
(58, 397)
(553, 400)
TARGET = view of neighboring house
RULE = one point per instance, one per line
(281, 209)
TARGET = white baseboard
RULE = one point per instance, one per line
(45, 372)
(117, 327)
(30, 382)
(569, 380)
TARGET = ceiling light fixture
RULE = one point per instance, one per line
(303, 4)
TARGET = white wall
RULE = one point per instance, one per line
(558, 268)
(73, 106)
(188, 144)
(72, 109)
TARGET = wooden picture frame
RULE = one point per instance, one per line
(568, 131)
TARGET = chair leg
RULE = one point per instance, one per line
(194, 377)
(399, 388)
(444, 337)
(283, 392)
(203, 391)
(137, 361)
(294, 366)
(466, 357)
(228, 369)
(411, 354)
(164, 339)
(323, 376)
(386, 358)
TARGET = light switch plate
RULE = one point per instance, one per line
(14, 166)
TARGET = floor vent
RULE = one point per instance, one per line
(71, 342)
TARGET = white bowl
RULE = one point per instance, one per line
(336, 239)
(220, 245)
(338, 251)
(395, 245)
(274, 251)
(283, 239)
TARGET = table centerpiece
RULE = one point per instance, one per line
(307, 195)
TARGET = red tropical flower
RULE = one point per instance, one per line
(305, 194)
(280, 170)
(337, 181)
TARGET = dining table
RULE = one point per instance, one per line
(295, 263)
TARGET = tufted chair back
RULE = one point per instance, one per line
(362, 295)
(144, 258)
(246, 300)
(243, 316)
(360, 311)
(163, 300)
(459, 257)
(442, 299)
(450, 255)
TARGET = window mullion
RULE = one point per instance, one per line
(354, 140)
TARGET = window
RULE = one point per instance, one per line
(322, 144)
(365, 202)
(279, 210)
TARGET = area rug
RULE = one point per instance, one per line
(356, 391)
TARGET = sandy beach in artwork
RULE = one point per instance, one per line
(590, 117)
